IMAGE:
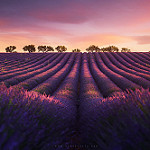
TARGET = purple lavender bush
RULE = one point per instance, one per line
(120, 122)
(29, 120)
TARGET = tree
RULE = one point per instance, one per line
(49, 48)
(93, 48)
(61, 48)
(42, 48)
(45, 48)
(30, 48)
(125, 50)
(110, 49)
(76, 50)
(10, 49)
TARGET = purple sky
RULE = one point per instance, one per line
(75, 24)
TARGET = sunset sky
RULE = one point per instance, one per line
(75, 23)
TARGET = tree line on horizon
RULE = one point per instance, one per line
(45, 49)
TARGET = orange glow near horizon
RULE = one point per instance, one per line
(76, 24)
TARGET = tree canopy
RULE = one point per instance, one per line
(93, 48)
(29, 48)
(45, 48)
(10, 49)
(125, 50)
(61, 48)
(110, 49)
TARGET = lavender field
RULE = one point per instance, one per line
(75, 101)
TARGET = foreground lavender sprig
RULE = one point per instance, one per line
(29, 120)
(120, 122)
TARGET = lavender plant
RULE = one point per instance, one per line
(33, 121)
(120, 122)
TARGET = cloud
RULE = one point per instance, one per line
(142, 39)
(101, 39)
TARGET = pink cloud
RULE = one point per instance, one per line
(101, 39)
(142, 39)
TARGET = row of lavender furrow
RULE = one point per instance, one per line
(147, 53)
(69, 87)
(145, 56)
(32, 82)
(119, 80)
(21, 79)
(52, 83)
(17, 56)
(41, 60)
(141, 58)
(33, 60)
(29, 70)
(89, 89)
(8, 64)
(26, 75)
(23, 58)
(106, 86)
(135, 59)
(89, 93)
(134, 78)
(134, 63)
(26, 63)
(123, 67)
(129, 65)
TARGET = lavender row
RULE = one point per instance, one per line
(129, 65)
(123, 67)
(88, 87)
(39, 62)
(28, 62)
(106, 86)
(21, 58)
(133, 62)
(31, 71)
(18, 63)
(134, 78)
(145, 56)
(55, 66)
(52, 83)
(142, 58)
(136, 59)
(69, 87)
(119, 80)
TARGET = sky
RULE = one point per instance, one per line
(75, 23)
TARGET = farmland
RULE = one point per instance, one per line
(75, 100)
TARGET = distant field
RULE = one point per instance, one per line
(76, 74)
(91, 100)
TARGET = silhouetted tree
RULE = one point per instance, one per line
(76, 50)
(45, 48)
(49, 48)
(110, 49)
(42, 48)
(29, 48)
(61, 48)
(93, 48)
(10, 49)
(125, 50)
